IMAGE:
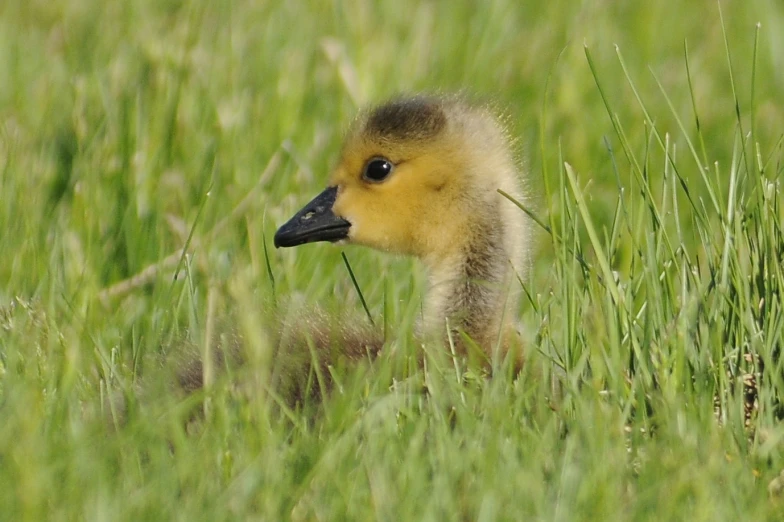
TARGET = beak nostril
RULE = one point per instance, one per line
(315, 222)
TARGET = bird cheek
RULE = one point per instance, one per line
(355, 230)
(367, 230)
(351, 206)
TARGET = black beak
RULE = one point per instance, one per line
(315, 222)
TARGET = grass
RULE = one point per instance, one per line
(652, 137)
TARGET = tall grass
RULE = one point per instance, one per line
(148, 150)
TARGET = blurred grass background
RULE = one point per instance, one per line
(125, 125)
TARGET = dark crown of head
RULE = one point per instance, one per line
(407, 119)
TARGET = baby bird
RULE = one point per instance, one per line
(420, 176)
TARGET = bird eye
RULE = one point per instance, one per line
(377, 169)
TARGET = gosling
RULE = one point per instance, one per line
(421, 176)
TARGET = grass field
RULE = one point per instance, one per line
(131, 129)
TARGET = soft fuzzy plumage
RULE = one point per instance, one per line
(441, 204)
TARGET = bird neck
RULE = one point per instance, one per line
(469, 289)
